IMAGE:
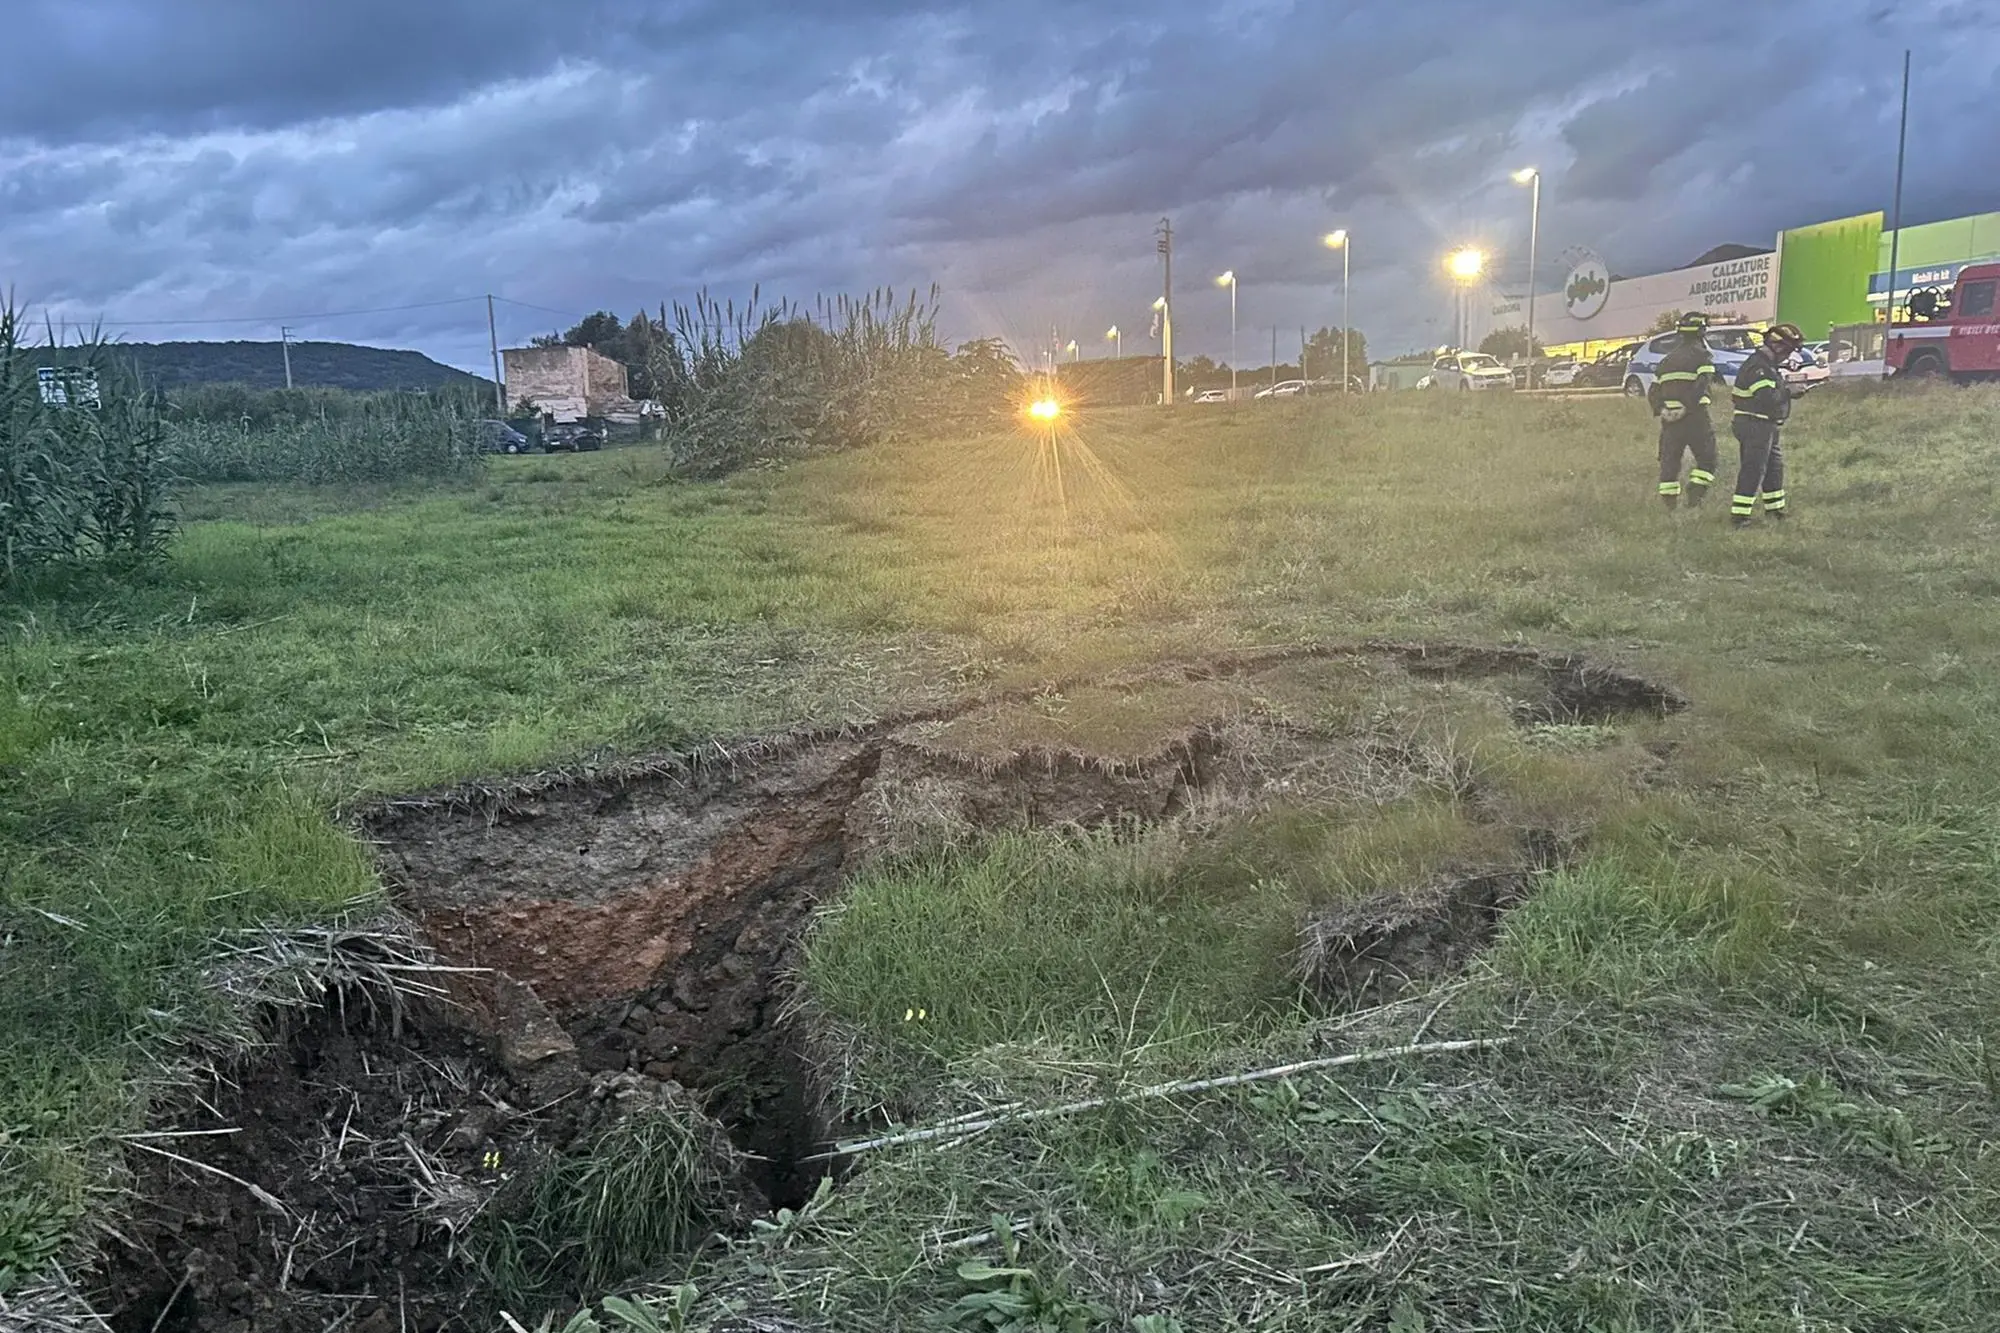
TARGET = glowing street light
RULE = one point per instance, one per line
(1071, 349)
(1229, 280)
(1045, 409)
(1464, 265)
(1531, 176)
(1117, 341)
(1337, 240)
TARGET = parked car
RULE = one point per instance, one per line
(1607, 371)
(577, 438)
(1728, 347)
(1212, 396)
(1283, 389)
(497, 437)
(1470, 371)
(1560, 375)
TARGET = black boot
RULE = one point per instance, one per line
(1738, 522)
(1670, 501)
(1695, 495)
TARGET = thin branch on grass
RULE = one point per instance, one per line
(1369, 1260)
(1014, 1225)
(962, 1128)
(255, 624)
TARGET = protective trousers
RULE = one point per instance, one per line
(1762, 474)
(1695, 434)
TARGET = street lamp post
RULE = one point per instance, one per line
(1117, 341)
(1229, 280)
(1071, 349)
(1531, 176)
(1337, 240)
(1465, 265)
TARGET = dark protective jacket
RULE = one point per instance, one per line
(1684, 376)
(1761, 393)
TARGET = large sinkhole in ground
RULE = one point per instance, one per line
(635, 929)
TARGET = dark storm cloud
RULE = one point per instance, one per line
(247, 156)
(110, 67)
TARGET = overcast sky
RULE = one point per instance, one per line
(209, 160)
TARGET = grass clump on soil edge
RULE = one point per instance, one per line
(608, 1209)
(1815, 870)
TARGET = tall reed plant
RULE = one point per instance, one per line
(86, 474)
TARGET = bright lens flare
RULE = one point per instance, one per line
(1466, 264)
(1045, 409)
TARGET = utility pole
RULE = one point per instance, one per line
(285, 341)
(1304, 374)
(1274, 356)
(1166, 248)
(1534, 244)
(493, 341)
(1896, 236)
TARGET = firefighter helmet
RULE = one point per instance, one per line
(1692, 322)
(1784, 335)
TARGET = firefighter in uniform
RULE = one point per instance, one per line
(1763, 403)
(1679, 398)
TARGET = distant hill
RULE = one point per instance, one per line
(315, 365)
(1723, 254)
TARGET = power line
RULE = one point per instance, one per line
(529, 305)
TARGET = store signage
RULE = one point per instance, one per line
(1587, 288)
(1739, 282)
(1935, 275)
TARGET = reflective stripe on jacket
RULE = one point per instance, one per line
(1760, 390)
(1684, 376)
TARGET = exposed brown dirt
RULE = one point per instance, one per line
(641, 924)
(1365, 952)
(371, 1151)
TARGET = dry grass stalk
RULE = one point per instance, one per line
(52, 1304)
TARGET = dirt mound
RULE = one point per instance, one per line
(636, 928)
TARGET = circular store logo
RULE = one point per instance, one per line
(1587, 288)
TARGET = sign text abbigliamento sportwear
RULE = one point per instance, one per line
(1736, 283)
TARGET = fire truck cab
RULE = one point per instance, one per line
(1955, 336)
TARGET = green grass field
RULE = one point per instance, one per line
(1750, 1083)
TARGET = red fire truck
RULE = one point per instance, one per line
(1956, 335)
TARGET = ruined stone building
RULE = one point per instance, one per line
(569, 384)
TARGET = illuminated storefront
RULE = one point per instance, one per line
(1593, 313)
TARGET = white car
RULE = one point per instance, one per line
(1283, 389)
(1212, 396)
(1807, 370)
(1470, 371)
(1560, 375)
